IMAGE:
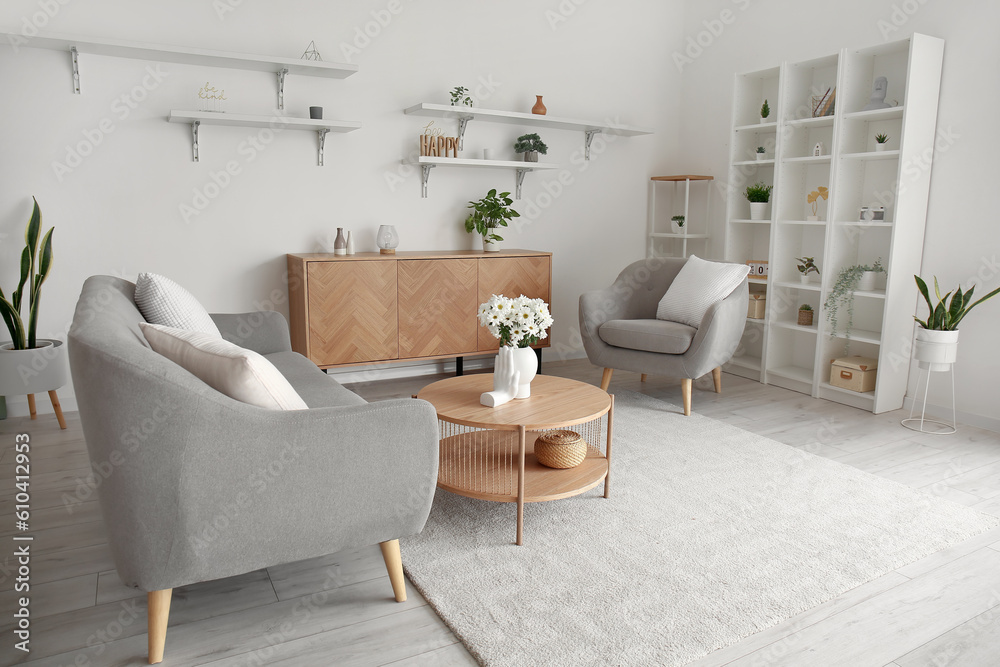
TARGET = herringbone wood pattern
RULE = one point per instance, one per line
(437, 306)
(352, 312)
(512, 276)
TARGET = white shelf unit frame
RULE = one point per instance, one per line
(677, 240)
(745, 239)
(275, 122)
(426, 163)
(75, 45)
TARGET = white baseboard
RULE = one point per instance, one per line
(966, 418)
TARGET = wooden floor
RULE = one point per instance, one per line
(338, 610)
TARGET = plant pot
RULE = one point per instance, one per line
(530, 156)
(526, 363)
(812, 218)
(758, 210)
(677, 227)
(803, 279)
(935, 350)
(763, 120)
(491, 246)
(34, 371)
(867, 281)
(761, 157)
(805, 318)
(879, 148)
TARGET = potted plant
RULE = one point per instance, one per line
(518, 323)
(880, 141)
(460, 97)
(867, 281)
(805, 315)
(937, 336)
(28, 364)
(530, 145)
(842, 296)
(806, 266)
(489, 213)
(758, 195)
(760, 153)
(813, 199)
(678, 223)
(765, 111)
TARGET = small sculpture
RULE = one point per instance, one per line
(879, 90)
(311, 53)
(505, 380)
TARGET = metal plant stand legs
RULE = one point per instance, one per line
(937, 426)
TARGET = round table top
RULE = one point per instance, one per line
(555, 402)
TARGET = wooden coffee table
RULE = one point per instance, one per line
(488, 453)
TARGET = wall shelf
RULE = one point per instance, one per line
(818, 121)
(876, 114)
(808, 159)
(871, 155)
(748, 163)
(769, 127)
(426, 163)
(279, 66)
(275, 122)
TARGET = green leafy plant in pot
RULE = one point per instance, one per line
(936, 346)
(530, 145)
(678, 222)
(758, 195)
(489, 213)
(28, 364)
(841, 296)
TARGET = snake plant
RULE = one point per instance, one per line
(33, 274)
(945, 316)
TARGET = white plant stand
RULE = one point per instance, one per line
(937, 426)
(685, 235)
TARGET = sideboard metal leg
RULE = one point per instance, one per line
(459, 371)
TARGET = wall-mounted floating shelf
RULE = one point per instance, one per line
(321, 127)
(182, 55)
(426, 163)
(464, 114)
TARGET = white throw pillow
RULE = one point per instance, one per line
(162, 301)
(698, 285)
(237, 372)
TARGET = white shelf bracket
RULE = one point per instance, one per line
(425, 174)
(194, 139)
(463, 121)
(281, 87)
(518, 181)
(75, 58)
(590, 137)
(322, 145)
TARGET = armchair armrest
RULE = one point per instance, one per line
(263, 331)
(719, 335)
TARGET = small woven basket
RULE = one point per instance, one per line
(560, 449)
(805, 318)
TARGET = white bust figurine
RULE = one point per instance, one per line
(505, 380)
(879, 90)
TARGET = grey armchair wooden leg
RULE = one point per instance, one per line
(158, 612)
(394, 565)
(717, 379)
(606, 379)
(642, 378)
(686, 393)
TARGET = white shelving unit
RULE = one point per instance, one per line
(777, 350)
(674, 244)
(426, 163)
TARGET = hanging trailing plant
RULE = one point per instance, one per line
(842, 296)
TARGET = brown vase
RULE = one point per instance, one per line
(539, 108)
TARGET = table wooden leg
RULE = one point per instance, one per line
(520, 484)
(607, 453)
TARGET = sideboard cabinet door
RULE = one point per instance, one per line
(437, 307)
(511, 277)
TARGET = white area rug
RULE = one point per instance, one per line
(711, 534)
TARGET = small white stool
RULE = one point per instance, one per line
(937, 426)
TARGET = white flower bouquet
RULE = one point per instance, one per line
(519, 322)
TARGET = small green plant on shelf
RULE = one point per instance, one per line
(807, 265)
(460, 97)
(527, 143)
(760, 150)
(765, 110)
(758, 193)
(489, 213)
(881, 138)
(945, 316)
(806, 307)
(841, 296)
(805, 315)
(678, 219)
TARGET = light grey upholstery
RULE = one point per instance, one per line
(201, 486)
(634, 296)
(649, 335)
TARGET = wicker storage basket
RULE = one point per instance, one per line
(560, 449)
(805, 318)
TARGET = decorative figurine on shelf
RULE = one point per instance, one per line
(311, 53)
(433, 143)
(879, 89)
(505, 380)
(211, 98)
(818, 149)
(813, 199)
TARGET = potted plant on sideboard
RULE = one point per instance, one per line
(530, 145)
(28, 364)
(489, 213)
(936, 345)
(758, 195)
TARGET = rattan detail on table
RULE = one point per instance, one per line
(488, 453)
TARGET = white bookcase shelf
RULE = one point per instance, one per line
(426, 163)
(675, 244)
(855, 175)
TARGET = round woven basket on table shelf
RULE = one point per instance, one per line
(560, 449)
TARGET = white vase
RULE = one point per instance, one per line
(34, 371)
(867, 281)
(490, 246)
(526, 362)
(350, 243)
(758, 210)
(936, 350)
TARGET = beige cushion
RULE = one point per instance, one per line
(162, 301)
(648, 335)
(698, 285)
(228, 368)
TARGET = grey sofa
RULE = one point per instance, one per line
(202, 486)
(620, 329)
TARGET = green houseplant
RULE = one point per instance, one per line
(806, 265)
(678, 223)
(460, 97)
(758, 195)
(489, 213)
(765, 111)
(841, 296)
(530, 145)
(881, 139)
(805, 315)
(937, 336)
(33, 274)
(760, 153)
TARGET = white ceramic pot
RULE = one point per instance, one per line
(758, 210)
(763, 120)
(804, 279)
(677, 227)
(867, 281)
(526, 362)
(936, 350)
(761, 156)
(490, 246)
(879, 148)
(35, 371)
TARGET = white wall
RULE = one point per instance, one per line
(962, 242)
(118, 212)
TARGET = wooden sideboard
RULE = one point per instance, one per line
(368, 308)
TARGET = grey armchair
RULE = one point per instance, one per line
(202, 486)
(620, 329)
